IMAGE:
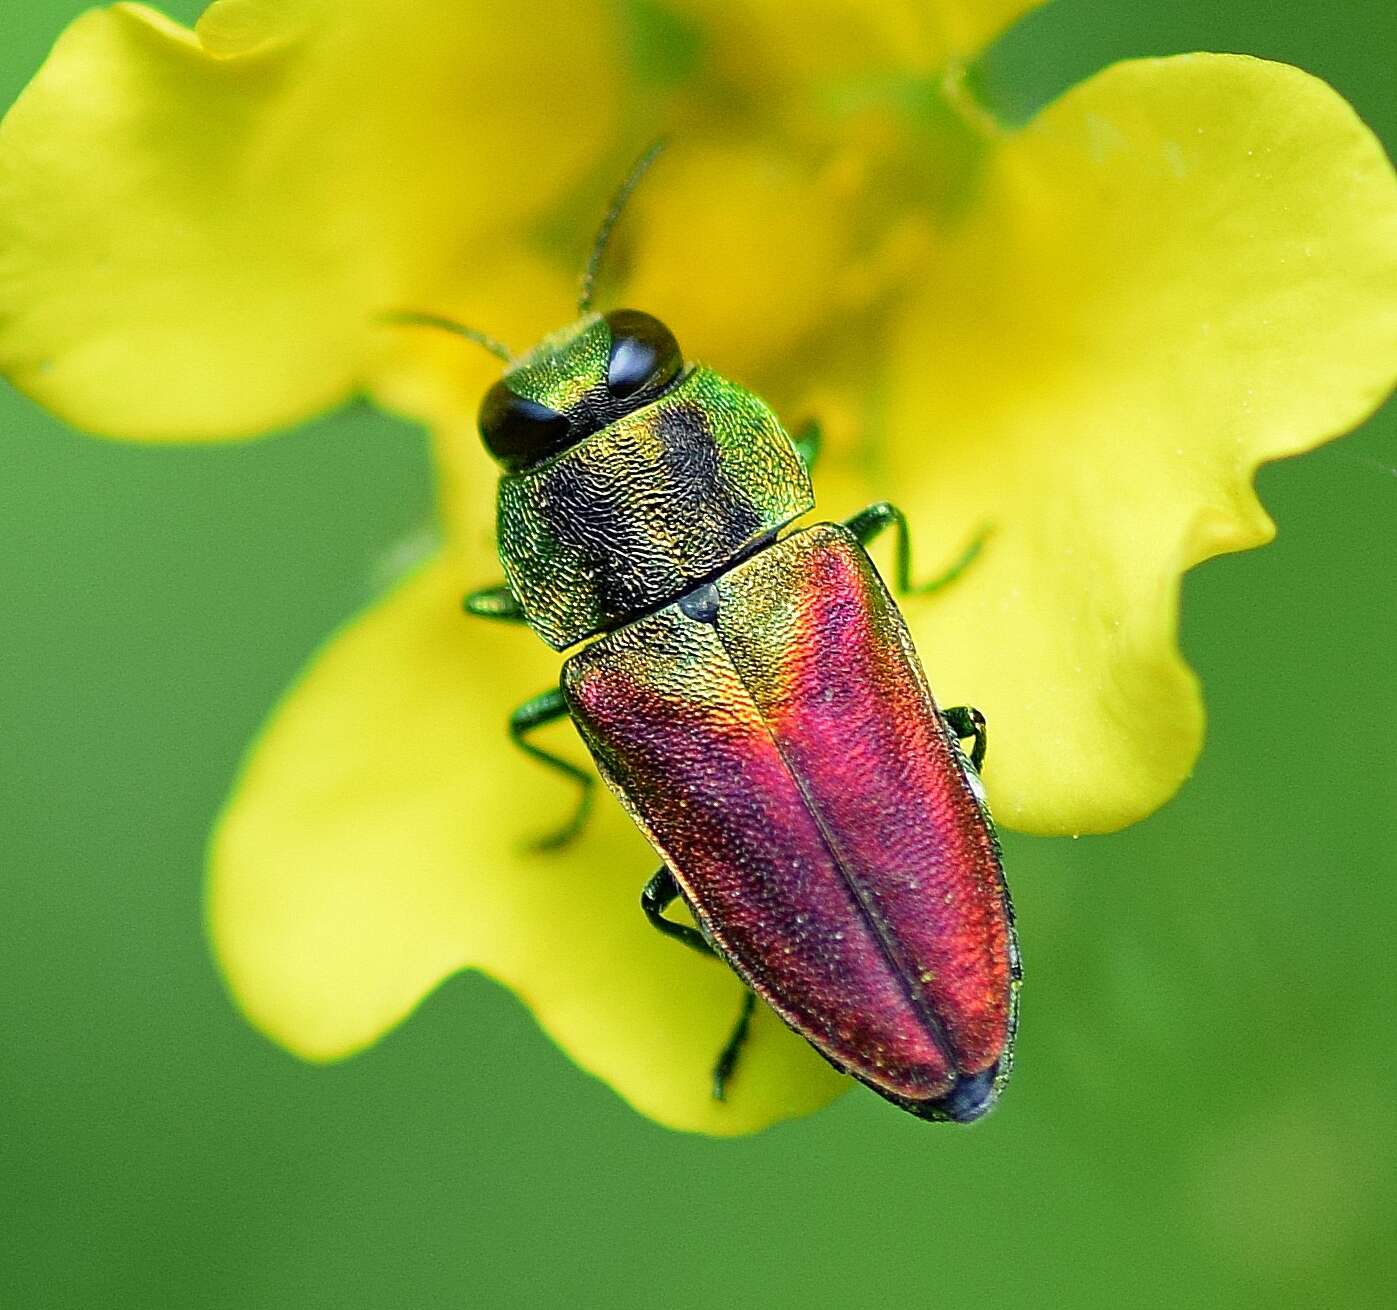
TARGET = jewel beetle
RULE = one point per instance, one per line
(750, 694)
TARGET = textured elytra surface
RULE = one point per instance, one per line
(784, 754)
(638, 512)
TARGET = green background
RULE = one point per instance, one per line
(1204, 1110)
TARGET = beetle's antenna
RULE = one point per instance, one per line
(608, 223)
(411, 318)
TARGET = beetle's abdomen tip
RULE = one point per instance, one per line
(971, 1098)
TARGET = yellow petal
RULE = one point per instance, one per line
(197, 228)
(765, 42)
(378, 841)
(763, 287)
(1183, 268)
(968, 26)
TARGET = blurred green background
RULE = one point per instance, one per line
(1205, 1106)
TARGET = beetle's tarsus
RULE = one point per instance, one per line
(547, 707)
(869, 522)
(726, 1063)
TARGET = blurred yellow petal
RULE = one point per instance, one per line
(762, 42)
(1183, 268)
(968, 26)
(773, 42)
(196, 228)
(378, 841)
(774, 240)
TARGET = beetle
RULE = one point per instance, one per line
(750, 694)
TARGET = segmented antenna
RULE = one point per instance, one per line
(618, 203)
(411, 318)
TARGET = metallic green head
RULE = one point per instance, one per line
(575, 382)
(629, 479)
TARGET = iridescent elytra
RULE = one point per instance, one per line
(750, 694)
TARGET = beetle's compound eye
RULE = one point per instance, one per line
(644, 354)
(520, 432)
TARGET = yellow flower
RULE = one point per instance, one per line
(1088, 333)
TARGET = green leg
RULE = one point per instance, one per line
(658, 895)
(660, 892)
(868, 523)
(966, 721)
(807, 443)
(494, 603)
(726, 1062)
(546, 708)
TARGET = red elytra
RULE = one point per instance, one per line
(780, 746)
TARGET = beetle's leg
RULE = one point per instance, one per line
(966, 721)
(726, 1062)
(660, 892)
(494, 603)
(868, 523)
(808, 442)
(544, 708)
